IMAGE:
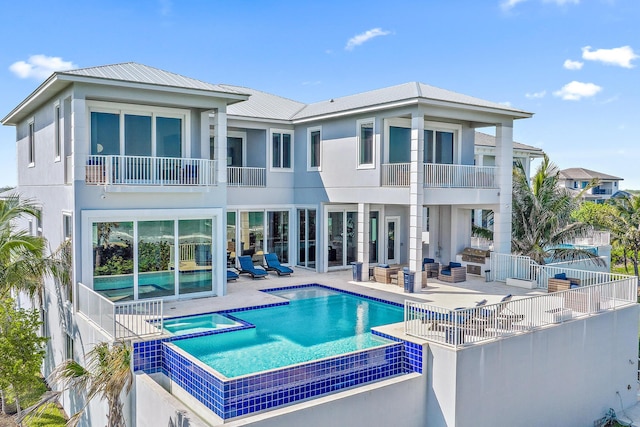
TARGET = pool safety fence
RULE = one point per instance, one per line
(475, 325)
(121, 320)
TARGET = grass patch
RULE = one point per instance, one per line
(50, 416)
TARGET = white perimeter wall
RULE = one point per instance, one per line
(566, 375)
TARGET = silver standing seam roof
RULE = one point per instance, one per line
(586, 174)
(486, 140)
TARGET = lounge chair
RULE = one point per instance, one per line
(458, 323)
(453, 273)
(246, 267)
(272, 263)
(500, 316)
(232, 275)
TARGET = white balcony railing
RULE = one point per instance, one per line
(122, 319)
(504, 266)
(153, 171)
(396, 174)
(460, 176)
(246, 176)
(467, 326)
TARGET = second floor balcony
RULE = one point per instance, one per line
(442, 175)
(149, 171)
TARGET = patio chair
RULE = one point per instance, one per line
(232, 275)
(272, 263)
(453, 273)
(501, 316)
(431, 267)
(560, 282)
(246, 267)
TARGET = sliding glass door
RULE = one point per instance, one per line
(307, 238)
(342, 235)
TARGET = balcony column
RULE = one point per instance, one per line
(363, 239)
(220, 151)
(504, 162)
(477, 214)
(416, 197)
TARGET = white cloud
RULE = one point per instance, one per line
(509, 4)
(620, 56)
(536, 95)
(40, 66)
(575, 91)
(506, 103)
(572, 65)
(366, 36)
(562, 2)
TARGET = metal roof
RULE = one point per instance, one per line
(487, 140)
(394, 94)
(586, 174)
(139, 73)
(263, 105)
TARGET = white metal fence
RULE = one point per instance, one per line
(504, 266)
(460, 176)
(396, 174)
(467, 326)
(246, 176)
(145, 170)
(122, 319)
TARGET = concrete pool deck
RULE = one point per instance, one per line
(245, 292)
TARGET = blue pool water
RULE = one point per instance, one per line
(318, 323)
(196, 324)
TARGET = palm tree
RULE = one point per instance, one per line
(625, 226)
(541, 216)
(22, 256)
(107, 374)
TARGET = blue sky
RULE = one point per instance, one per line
(574, 63)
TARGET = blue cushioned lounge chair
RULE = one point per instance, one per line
(272, 263)
(246, 267)
(232, 275)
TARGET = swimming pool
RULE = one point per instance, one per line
(325, 318)
(317, 323)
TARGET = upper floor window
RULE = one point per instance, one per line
(438, 147)
(366, 143)
(575, 184)
(58, 132)
(584, 184)
(32, 143)
(67, 225)
(314, 138)
(281, 149)
(135, 131)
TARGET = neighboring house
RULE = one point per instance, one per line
(161, 181)
(577, 179)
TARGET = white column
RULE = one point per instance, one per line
(363, 239)
(220, 135)
(504, 162)
(477, 214)
(416, 197)
(204, 135)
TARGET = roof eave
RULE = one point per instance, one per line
(53, 83)
(516, 114)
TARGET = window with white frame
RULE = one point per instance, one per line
(138, 131)
(366, 146)
(67, 225)
(281, 149)
(314, 138)
(440, 143)
(68, 348)
(32, 143)
(58, 132)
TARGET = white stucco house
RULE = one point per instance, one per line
(162, 182)
(576, 179)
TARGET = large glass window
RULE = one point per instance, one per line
(234, 151)
(252, 235)
(439, 147)
(314, 148)
(365, 142)
(156, 278)
(195, 255)
(231, 239)
(137, 135)
(113, 259)
(399, 144)
(307, 237)
(281, 150)
(105, 133)
(278, 237)
(168, 137)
